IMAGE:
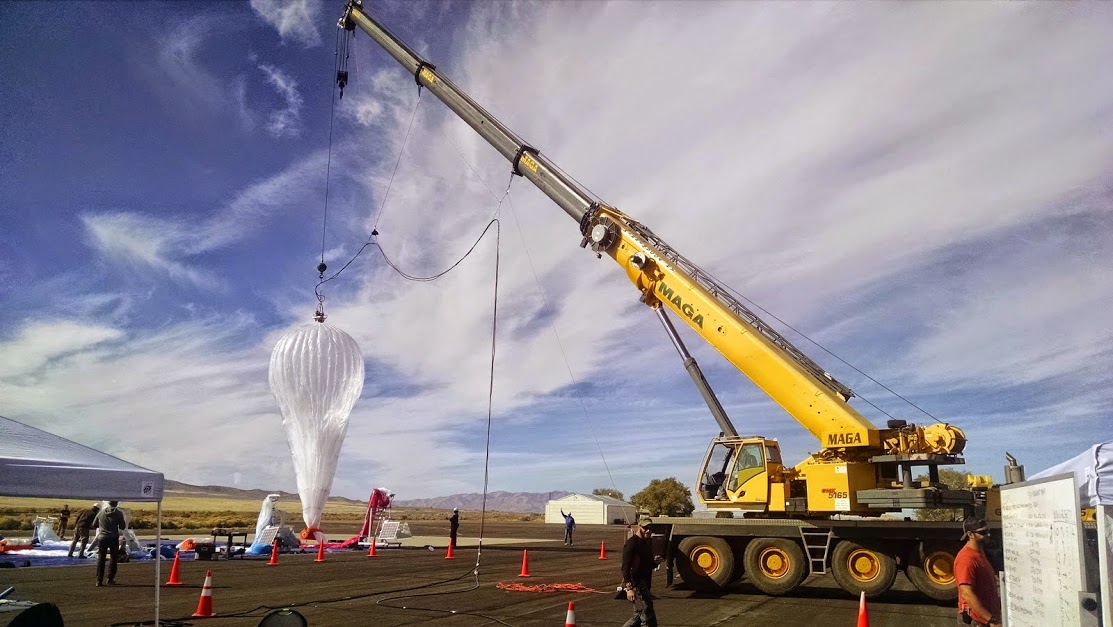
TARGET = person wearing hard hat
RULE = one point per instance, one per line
(637, 575)
(81, 527)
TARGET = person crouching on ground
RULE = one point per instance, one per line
(110, 521)
(979, 599)
(81, 527)
(637, 575)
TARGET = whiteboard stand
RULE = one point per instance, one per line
(1044, 557)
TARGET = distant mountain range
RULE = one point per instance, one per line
(524, 502)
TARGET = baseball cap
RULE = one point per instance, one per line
(974, 524)
(645, 522)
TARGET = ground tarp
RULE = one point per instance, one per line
(1093, 474)
(39, 464)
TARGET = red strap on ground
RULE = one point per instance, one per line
(545, 587)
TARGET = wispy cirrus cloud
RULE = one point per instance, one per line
(295, 20)
(286, 121)
(171, 247)
(146, 243)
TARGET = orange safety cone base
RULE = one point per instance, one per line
(602, 550)
(449, 555)
(320, 552)
(274, 554)
(863, 615)
(371, 551)
(570, 620)
(175, 580)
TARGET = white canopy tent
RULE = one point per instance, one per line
(39, 464)
(1093, 474)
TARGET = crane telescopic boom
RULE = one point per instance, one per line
(667, 279)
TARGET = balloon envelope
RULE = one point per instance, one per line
(316, 375)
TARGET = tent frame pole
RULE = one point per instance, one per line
(158, 557)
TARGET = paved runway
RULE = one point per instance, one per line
(412, 586)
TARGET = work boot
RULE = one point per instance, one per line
(99, 584)
(112, 582)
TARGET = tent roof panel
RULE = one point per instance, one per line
(41, 464)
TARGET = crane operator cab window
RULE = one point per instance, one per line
(715, 472)
(748, 464)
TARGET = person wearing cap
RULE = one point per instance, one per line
(979, 599)
(569, 527)
(637, 575)
(81, 528)
(453, 525)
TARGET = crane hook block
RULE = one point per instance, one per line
(342, 81)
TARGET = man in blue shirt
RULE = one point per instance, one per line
(569, 527)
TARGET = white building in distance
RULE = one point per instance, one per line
(591, 509)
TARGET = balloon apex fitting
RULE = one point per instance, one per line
(320, 316)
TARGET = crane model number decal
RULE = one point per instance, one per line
(688, 310)
(428, 75)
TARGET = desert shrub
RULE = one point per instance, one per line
(12, 523)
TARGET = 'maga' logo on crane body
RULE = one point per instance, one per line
(669, 295)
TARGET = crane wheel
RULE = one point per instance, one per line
(859, 568)
(931, 569)
(705, 563)
(775, 566)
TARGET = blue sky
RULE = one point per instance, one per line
(924, 189)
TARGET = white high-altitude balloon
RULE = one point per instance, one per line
(316, 375)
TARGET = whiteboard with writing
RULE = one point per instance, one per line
(1042, 541)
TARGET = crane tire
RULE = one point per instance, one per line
(705, 563)
(861, 568)
(776, 566)
(931, 569)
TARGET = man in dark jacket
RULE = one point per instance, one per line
(85, 521)
(63, 521)
(453, 525)
(110, 521)
(637, 575)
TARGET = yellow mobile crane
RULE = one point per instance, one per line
(788, 530)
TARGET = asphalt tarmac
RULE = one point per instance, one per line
(414, 585)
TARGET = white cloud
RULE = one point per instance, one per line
(921, 184)
(144, 242)
(178, 64)
(39, 343)
(293, 19)
(285, 122)
(171, 246)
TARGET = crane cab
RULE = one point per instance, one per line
(742, 473)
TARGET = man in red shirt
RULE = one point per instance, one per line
(979, 598)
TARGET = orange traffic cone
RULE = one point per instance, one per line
(525, 564)
(863, 616)
(570, 621)
(602, 550)
(320, 552)
(371, 551)
(174, 579)
(205, 604)
(449, 555)
(274, 554)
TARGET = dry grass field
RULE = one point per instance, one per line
(195, 508)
